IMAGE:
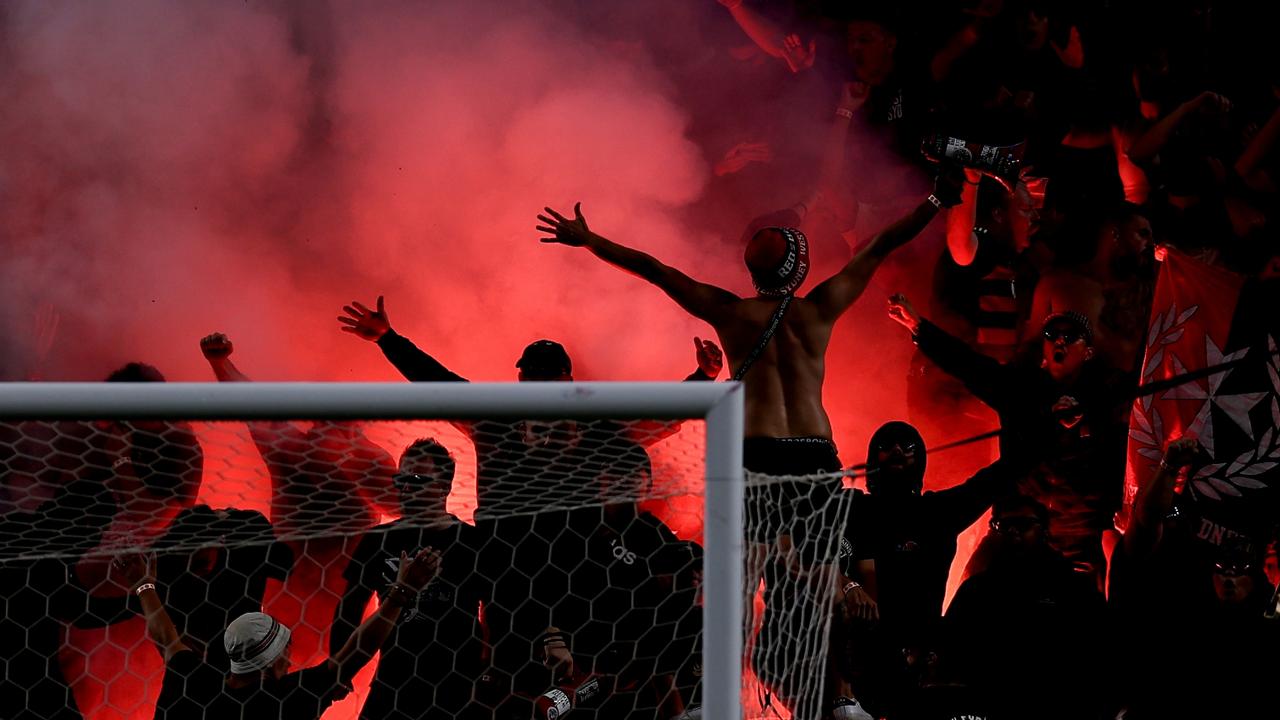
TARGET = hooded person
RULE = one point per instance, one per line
(901, 538)
(898, 545)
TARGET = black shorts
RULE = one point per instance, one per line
(794, 507)
(789, 455)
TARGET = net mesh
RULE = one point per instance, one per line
(569, 580)
(795, 569)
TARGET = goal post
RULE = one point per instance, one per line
(720, 405)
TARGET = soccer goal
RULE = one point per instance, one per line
(613, 510)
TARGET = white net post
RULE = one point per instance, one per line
(722, 610)
(719, 404)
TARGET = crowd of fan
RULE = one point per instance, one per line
(1143, 125)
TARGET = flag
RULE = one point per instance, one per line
(1202, 317)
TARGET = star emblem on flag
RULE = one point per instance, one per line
(1209, 393)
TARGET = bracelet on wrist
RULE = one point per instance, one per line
(845, 113)
(850, 586)
(934, 199)
(144, 586)
(400, 594)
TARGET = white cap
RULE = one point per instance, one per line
(254, 641)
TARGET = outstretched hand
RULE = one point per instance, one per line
(362, 322)
(574, 233)
(216, 346)
(902, 312)
(797, 54)
(710, 359)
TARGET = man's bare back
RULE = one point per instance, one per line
(784, 385)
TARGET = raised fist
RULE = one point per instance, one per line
(1181, 453)
(1212, 103)
(216, 346)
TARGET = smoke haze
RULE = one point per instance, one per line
(174, 169)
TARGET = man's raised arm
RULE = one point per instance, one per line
(413, 574)
(705, 302)
(138, 573)
(838, 292)
(374, 326)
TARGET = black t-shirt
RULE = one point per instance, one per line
(193, 689)
(190, 686)
(438, 637)
(628, 579)
(301, 695)
(618, 588)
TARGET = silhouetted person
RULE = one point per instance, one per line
(431, 662)
(1065, 415)
(1199, 618)
(212, 566)
(328, 485)
(1029, 631)
(901, 542)
(329, 480)
(600, 589)
(1112, 288)
(260, 684)
(776, 343)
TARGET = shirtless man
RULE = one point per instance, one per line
(1113, 289)
(787, 429)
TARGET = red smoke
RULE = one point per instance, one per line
(172, 169)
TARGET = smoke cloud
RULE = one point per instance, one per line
(174, 169)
